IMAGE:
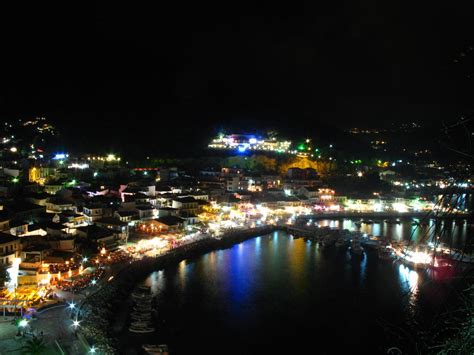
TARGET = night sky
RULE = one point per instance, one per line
(125, 75)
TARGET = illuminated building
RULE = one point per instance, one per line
(9, 248)
(39, 174)
(245, 142)
(100, 161)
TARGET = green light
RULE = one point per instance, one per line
(15, 180)
(301, 147)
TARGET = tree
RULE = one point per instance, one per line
(35, 346)
(4, 276)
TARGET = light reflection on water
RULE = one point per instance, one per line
(409, 280)
(284, 285)
(407, 230)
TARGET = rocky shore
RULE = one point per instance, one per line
(98, 310)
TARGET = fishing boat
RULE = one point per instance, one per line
(156, 349)
(141, 329)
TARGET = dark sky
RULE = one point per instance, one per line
(140, 74)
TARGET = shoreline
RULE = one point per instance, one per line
(384, 215)
(98, 311)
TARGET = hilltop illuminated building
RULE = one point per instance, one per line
(244, 142)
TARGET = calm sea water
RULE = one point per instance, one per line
(277, 294)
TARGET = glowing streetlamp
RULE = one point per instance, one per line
(23, 323)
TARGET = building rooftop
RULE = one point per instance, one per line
(187, 199)
(7, 238)
(112, 221)
(170, 220)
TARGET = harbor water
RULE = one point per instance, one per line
(280, 294)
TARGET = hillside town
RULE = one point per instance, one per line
(69, 222)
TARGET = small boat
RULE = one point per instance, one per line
(140, 324)
(141, 329)
(141, 296)
(156, 349)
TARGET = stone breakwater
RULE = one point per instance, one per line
(98, 310)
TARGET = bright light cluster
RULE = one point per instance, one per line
(243, 143)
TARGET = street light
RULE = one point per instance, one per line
(92, 350)
(75, 323)
(23, 323)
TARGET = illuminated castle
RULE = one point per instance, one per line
(244, 142)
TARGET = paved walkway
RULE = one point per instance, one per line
(56, 325)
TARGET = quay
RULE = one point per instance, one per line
(384, 215)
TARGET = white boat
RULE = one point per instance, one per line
(156, 349)
(141, 330)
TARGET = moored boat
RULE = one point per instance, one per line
(156, 349)
(141, 329)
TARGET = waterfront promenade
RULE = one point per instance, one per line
(383, 215)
